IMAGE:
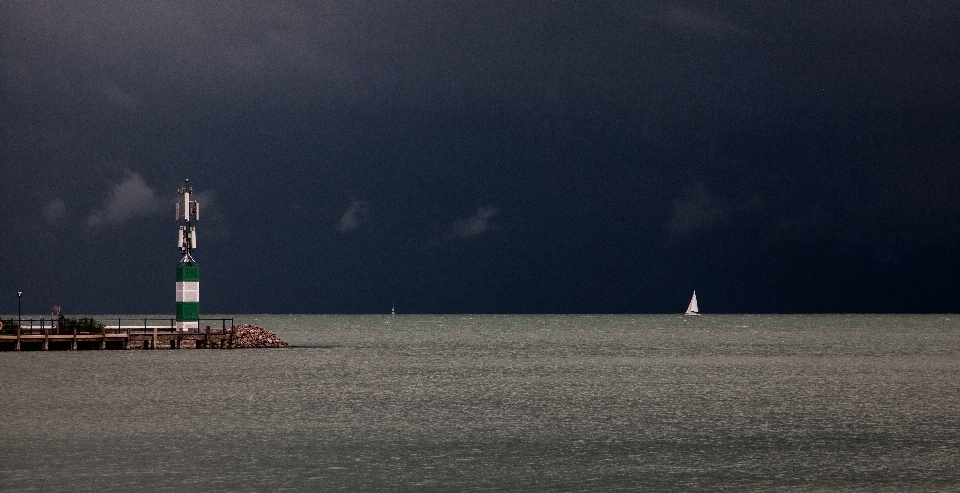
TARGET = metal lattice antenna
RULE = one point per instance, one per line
(188, 212)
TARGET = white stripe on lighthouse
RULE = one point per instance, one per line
(188, 291)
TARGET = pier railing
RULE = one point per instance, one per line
(41, 326)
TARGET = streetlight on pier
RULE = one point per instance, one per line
(19, 295)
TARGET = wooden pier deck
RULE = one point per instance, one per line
(140, 336)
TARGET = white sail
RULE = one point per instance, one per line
(692, 308)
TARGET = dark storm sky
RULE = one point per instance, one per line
(483, 157)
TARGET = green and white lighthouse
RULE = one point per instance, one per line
(188, 272)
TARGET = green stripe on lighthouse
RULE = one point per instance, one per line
(188, 272)
(188, 311)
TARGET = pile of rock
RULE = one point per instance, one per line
(251, 336)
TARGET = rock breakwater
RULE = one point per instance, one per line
(251, 336)
(236, 337)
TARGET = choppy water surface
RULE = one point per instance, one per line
(508, 403)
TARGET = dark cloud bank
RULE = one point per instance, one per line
(499, 156)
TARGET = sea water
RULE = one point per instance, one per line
(500, 403)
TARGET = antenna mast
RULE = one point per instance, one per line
(188, 212)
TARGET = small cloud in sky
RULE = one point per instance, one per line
(702, 21)
(213, 222)
(129, 199)
(477, 224)
(55, 211)
(115, 94)
(355, 215)
(697, 211)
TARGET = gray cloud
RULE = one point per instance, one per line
(117, 96)
(55, 211)
(129, 199)
(477, 224)
(706, 22)
(347, 50)
(213, 223)
(354, 216)
(172, 43)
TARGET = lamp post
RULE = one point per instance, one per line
(19, 295)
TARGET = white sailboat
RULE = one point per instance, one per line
(692, 308)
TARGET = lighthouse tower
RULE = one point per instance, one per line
(188, 272)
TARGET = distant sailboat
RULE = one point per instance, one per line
(692, 308)
(393, 310)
